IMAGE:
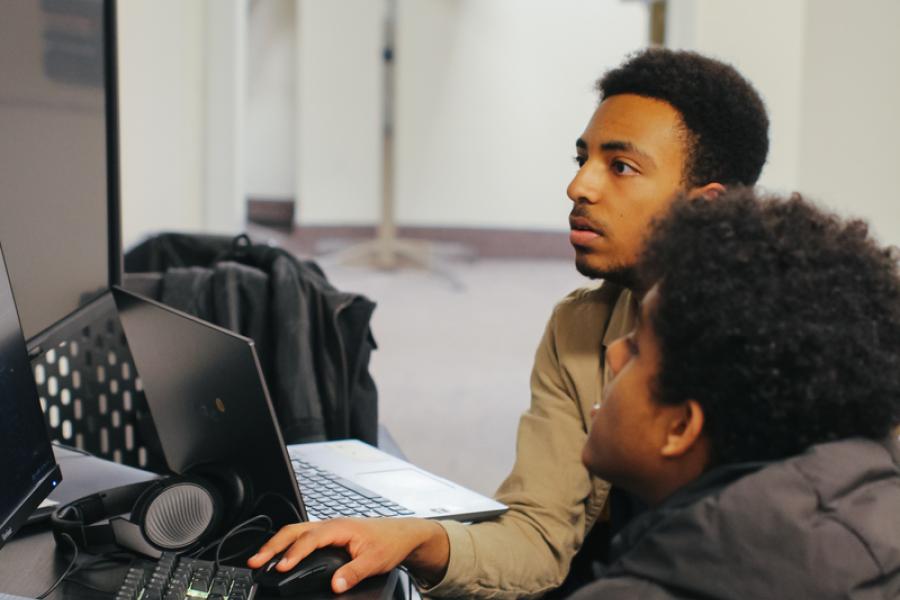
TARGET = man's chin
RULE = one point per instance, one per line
(619, 274)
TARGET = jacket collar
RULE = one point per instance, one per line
(708, 483)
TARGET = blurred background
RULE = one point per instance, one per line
(269, 116)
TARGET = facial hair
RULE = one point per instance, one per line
(619, 274)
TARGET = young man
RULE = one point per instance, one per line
(753, 412)
(668, 123)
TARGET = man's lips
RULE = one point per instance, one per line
(583, 231)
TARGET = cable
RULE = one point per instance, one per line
(283, 499)
(66, 572)
(116, 556)
(72, 569)
(238, 528)
(203, 550)
(249, 546)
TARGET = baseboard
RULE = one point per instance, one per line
(310, 240)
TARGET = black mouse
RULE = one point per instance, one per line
(312, 574)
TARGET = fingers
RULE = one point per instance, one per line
(363, 566)
(299, 540)
(308, 541)
(286, 536)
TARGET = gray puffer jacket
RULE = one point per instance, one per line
(821, 525)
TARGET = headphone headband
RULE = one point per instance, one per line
(78, 518)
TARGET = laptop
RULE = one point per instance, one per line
(208, 398)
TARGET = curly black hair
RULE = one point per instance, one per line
(780, 319)
(724, 117)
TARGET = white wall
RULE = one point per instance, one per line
(224, 207)
(161, 115)
(850, 143)
(827, 70)
(491, 95)
(338, 93)
(181, 105)
(271, 104)
(764, 40)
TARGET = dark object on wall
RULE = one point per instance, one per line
(272, 212)
(314, 341)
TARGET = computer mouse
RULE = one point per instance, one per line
(312, 574)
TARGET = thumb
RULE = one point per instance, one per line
(353, 572)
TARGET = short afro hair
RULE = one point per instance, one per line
(781, 320)
(725, 119)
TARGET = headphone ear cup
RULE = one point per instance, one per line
(236, 490)
(179, 513)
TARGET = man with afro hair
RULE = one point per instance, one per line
(669, 123)
(752, 408)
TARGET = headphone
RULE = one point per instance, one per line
(171, 514)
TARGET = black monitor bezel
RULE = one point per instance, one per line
(42, 488)
(45, 340)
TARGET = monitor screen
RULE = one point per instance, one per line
(28, 471)
(53, 156)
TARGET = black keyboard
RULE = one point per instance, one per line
(182, 578)
(327, 496)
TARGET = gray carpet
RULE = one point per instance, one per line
(453, 362)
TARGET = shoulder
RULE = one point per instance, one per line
(584, 315)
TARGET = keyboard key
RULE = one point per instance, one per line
(173, 578)
(320, 486)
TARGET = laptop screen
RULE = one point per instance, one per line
(26, 458)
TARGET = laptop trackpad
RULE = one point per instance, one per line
(400, 483)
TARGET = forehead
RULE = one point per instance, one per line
(653, 125)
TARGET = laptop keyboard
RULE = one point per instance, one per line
(327, 496)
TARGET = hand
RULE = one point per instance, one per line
(375, 545)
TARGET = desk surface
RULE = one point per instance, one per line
(30, 563)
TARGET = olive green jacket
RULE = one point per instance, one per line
(553, 501)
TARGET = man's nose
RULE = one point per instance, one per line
(586, 186)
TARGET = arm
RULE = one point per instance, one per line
(552, 499)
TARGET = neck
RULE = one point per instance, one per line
(675, 473)
(623, 276)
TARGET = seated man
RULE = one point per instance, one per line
(753, 410)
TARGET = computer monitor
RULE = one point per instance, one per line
(58, 149)
(28, 470)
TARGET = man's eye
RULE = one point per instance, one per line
(579, 160)
(621, 168)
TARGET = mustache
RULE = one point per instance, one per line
(580, 212)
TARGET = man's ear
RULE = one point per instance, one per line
(710, 191)
(685, 429)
